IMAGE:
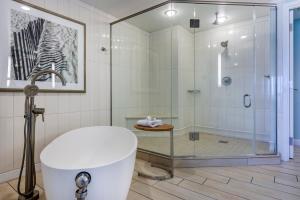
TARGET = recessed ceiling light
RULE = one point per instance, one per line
(171, 12)
(25, 8)
(244, 37)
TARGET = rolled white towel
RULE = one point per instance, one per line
(149, 123)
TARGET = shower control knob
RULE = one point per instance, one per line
(39, 111)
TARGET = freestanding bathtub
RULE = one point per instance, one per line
(106, 153)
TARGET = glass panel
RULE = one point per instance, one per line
(265, 79)
(225, 76)
(218, 79)
(183, 78)
(142, 75)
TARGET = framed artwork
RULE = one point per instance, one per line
(33, 39)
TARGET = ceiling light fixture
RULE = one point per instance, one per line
(25, 8)
(171, 12)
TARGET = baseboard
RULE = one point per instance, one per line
(297, 142)
(13, 174)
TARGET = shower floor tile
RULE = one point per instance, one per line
(208, 145)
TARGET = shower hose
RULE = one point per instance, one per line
(28, 147)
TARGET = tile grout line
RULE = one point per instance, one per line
(140, 194)
(180, 182)
(12, 187)
(225, 191)
(228, 180)
(252, 180)
(277, 171)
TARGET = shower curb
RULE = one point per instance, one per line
(193, 162)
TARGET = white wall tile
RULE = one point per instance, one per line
(63, 103)
(63, 123)
(6, 105)
(51, 104)
(18, 133)
(74, 102)
(39, 138)
(51, 127)
(86, 119)
(40, 3)
(19, 103)
(51, 5)
(74, 120)
(6, 144)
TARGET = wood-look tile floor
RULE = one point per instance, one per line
(267, 182)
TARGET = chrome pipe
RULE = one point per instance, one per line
(47, 71)
(82, 180)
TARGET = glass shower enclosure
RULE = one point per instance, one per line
(207, 68)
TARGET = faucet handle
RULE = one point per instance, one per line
(39, 111)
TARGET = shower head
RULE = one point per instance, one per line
(224, 44)
(216, 20)
(220, 19)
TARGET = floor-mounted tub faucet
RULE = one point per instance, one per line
(31, 113)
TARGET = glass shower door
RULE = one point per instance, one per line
(225, 75)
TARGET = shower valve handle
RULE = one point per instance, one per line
(39, 111)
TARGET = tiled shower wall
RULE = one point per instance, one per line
(220, 109)
(130, 59)
(63, 111)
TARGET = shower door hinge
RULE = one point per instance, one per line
(291, 27)
(291, 141)
(194, 136)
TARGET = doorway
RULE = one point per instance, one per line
(295, 61)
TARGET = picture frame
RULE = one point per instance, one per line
(35, 39)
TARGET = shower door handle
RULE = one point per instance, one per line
(247, 96)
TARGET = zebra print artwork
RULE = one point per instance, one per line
(36, 44)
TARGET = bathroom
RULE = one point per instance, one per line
(212, 70)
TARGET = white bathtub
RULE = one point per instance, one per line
(107, 153)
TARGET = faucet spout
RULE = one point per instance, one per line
(48, 71)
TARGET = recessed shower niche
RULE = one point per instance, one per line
(206, 68)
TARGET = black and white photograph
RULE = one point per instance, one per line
(38, 41)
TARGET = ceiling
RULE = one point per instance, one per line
(156, 19)
(123, 8)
